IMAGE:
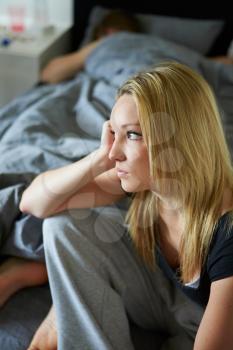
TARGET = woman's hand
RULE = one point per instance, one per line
(107, 140)
(107, 137)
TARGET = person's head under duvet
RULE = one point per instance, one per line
(115, 21)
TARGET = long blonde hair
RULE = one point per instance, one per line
(188, 156)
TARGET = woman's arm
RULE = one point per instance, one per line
(64, 67)
(90, 182)
(216, 328)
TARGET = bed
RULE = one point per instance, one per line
(53, 125)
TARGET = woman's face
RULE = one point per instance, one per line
(128, 149)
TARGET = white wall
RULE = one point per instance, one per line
(59, 12)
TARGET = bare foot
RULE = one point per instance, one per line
(18, 273)
(45, 337)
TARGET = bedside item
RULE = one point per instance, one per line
(22, 55)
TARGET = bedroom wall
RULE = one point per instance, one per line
(61, 11)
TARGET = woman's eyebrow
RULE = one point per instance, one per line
(130, 124)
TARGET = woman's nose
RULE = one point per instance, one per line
(116, 152)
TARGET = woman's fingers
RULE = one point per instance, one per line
(107, 137)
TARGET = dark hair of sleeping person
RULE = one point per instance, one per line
(114, 21)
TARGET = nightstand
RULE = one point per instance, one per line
(22, 60)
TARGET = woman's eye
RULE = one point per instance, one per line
(132, 135)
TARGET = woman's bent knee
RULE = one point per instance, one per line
(63, 226)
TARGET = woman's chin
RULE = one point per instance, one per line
(126, 187)
(130, 187)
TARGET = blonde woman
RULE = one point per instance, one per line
(170, 267)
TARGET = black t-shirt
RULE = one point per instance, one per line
(218, 265)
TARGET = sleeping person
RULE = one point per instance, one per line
(168, 267)
(66, 66)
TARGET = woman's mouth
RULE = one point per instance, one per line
(121, 173)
